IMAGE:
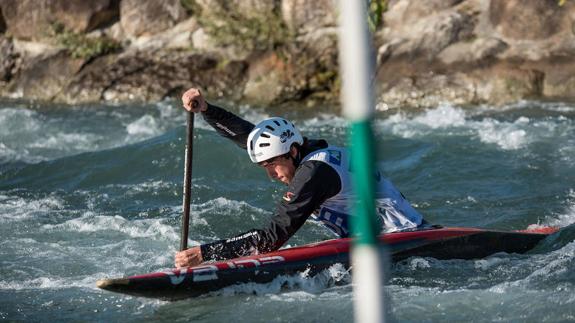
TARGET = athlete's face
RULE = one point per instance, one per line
(280, 168)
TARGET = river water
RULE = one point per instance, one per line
(94, 191)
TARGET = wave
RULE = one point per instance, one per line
(15, 208)
(448, 120)
(304, 282)
(80, 129)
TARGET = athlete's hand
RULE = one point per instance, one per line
(189, 257)
(193, 101)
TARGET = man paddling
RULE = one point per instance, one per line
(318, 185)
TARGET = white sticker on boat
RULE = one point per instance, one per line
(177, 276)
(205, 273)
(254, 262)
(271, 260)
(244, 263)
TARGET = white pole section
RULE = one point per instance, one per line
(356, 63)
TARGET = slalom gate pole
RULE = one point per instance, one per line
(356, 66)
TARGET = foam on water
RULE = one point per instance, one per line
(52, 282)
(16, 208)
(507, 135)
(406, 126)
(77, 131)
(89, 222)
(226, 207)
(145, 126)
(508, 287)
(152, 187)
(324, 120)
(563, 219)
(14, 121)
(336, 274)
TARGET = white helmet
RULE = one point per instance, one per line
(271, 138)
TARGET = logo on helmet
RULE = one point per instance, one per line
(286, 135)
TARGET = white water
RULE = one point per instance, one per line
(111, 214)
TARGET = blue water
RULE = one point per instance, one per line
(89, 192)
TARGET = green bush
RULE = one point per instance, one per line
(376, 10)
(258, 32)
(80, 46)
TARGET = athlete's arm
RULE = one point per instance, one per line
(313, 183)
(228, 124)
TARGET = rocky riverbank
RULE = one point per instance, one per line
(270, 52)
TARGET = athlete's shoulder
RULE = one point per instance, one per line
(331, 154)
(315, 180)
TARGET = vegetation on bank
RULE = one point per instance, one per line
(80, 45)
(228, 27)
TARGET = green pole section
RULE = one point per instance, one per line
(364, 225)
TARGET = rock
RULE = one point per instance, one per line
(243, 8)
(45, 76)
(474, 52)
(32, 49)
(429, 35)
(152, 76)
(2, 22)
(428, 90)
(265, 80)
(34, 19)
(527, 19)
(403, 13)
(499, 84)
(306, 70)
(322, 45)
(272, 52)
(202, 41)
(178, 37)
(503, 84)
(7, 59)
(303, 16)
(148, 17)
(114, 32)
(559, 82)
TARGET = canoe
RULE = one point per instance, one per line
(439, 243)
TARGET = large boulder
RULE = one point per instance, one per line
(44, 77)
(559, 81)
(177, 37)
(498, 85)
(428, 35)
(506, 83)
(403, 13)
(427, 90)
(304, 71)
(528, 19)
(147, 17)
(302, 16)
(475, 52)
(34, 19)
(152, 76)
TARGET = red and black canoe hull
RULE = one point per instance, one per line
(440, 243)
